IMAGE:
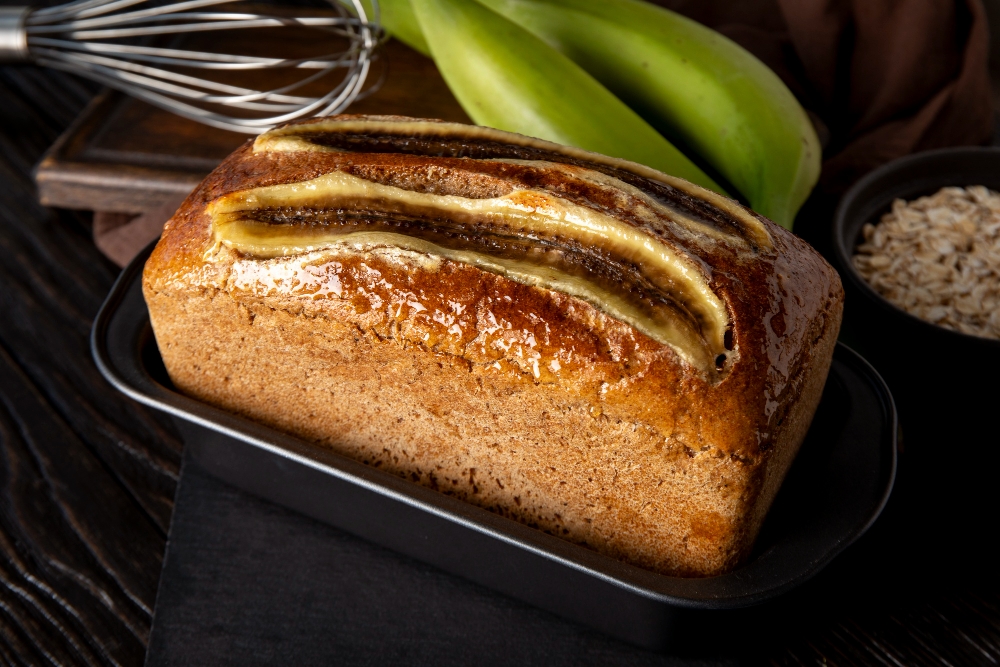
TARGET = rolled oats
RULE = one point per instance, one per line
(938, 258)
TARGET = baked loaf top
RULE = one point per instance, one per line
(651, 300)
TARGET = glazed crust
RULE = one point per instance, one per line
(520, 399)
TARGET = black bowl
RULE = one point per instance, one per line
(943, 380)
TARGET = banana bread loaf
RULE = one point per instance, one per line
(583, 344)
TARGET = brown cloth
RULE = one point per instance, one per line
(885, 77)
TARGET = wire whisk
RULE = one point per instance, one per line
(108, 41)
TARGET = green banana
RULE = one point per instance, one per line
(507, 78)
(693, 85)
(398, 19)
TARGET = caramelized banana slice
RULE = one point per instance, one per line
(389, 134)
(531, 236)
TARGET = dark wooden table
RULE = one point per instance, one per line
(87, 477)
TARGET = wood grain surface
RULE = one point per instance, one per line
(87, 477)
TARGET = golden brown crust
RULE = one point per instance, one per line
(529, 402)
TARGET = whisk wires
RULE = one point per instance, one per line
(76, 37)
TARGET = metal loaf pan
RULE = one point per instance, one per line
(835, 490)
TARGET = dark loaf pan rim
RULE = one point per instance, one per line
(623, 600)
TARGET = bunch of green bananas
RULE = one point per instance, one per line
(617, 77)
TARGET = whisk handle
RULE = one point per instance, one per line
(13, 37)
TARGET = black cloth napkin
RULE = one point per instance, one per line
(246, 582)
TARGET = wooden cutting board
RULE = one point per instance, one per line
(125, 156)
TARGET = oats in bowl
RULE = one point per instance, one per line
(938, 258)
